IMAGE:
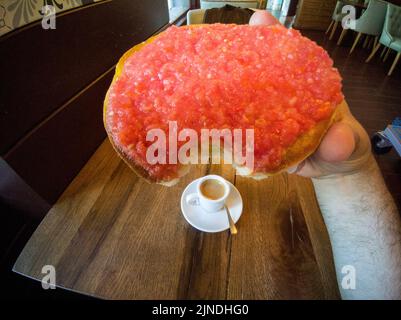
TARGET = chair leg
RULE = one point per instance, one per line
(384, 51)
(387, 54)
(334, 30)
(330, 25)
(394, 63)
(371, 43)
(365, 43)
(356, 42)
(343, 33)
(375, 49)
(375, 42)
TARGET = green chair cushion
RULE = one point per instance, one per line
(396, 44)
(372, 20)
(391, 35)
(394, 16)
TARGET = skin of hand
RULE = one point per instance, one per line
(345, 147)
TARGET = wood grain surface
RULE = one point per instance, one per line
(112, 235)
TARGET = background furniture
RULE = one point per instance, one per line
(360, 8)
(317, 14)
(220, 14)
(113, 235)
(371, 22)
(391, 35)
(314, 14)
(208, 4)
(195, 16)
(335, 19)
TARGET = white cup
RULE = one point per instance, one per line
(209, 205)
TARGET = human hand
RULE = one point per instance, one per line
(345, 148)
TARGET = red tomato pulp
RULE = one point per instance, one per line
(266, 78)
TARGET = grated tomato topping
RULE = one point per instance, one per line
(267, 78)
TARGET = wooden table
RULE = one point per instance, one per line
(112, 235)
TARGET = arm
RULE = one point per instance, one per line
(361, 217)
(365, 231)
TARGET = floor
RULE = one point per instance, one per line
(374, 98)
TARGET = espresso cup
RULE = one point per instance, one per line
(211, 193)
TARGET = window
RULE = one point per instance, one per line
(177, 7)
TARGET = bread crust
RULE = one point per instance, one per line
(302, 148)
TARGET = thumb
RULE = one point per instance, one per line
(338, 143)
(262, 17)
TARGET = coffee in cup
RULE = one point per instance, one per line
(212, 189)
(212, 193)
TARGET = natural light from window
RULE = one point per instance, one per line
(176, 8)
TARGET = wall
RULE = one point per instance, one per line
(53, 83)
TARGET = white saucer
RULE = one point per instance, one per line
(215, 221)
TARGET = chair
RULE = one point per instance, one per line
(195, 16)
(344, 31)
(391, 36)
(217, 4)
(335, 19)
(371, 22)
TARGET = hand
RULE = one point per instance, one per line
(345, 148)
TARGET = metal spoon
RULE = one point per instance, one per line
(233, 228)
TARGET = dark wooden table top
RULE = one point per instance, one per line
(113, 235)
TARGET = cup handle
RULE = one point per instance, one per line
(192, 199)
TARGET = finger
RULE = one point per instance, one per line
(262, 17)
(338, 143)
